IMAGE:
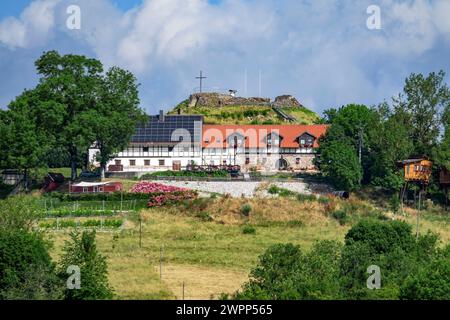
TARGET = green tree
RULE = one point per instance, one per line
(347, 139)
(81, 251)
(25, 145)
(431, 281)
(424, 100)
(284, 272)
(26, 269)
(115, 116)
(389, 142)
(70, 83)
(339, 162)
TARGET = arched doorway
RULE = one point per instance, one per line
(282, 164)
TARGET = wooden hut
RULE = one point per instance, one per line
(417, 170)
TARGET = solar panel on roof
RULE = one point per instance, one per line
(161, 131)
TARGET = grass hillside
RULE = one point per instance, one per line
(210, 245)
(246, 114)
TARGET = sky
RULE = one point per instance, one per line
(323, 52)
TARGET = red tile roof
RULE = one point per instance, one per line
(215, 136)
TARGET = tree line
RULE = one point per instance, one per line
(363, 144)
(407, 268)
(74, 105)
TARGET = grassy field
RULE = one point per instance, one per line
(204, 247)
(248, 114)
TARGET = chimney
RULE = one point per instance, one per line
(161, 116)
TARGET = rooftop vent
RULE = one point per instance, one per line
(161, 116)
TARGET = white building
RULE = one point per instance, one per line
(164, 142)
(171, 142)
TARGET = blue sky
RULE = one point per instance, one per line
(320, 51)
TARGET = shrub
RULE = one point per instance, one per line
(340, 216)
(248, 229)
(26, 269)
(284, 272)
(273, 189)
(205, 216)
(306, 197)
(161, 199)
(81, 251)
(246, 209)
(430, 282)
(381, 236)
(151, 187)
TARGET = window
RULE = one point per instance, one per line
(162, 162)
(85, 189)
(297, 161)
(132, 163)
(224, 162)
(146, 162)
(302, 142)
(100, 189)
(247, 160)
(95, 189)
(146, 149)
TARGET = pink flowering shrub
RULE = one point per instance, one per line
(160, 195)
(152, 187)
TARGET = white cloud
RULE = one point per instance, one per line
(171, 30)
(32, 28)
(320, 51)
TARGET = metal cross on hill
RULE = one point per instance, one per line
(201, 77)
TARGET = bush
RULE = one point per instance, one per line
(246, 209)
(81, 251)
(26, 269)
(248, 229)
(284, 272)
(273, 189)
(381, 236)
(306, 197)
(205, 216)
(161, 199)
(430, 282)
(340, 216)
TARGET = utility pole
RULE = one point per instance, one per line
(201, 77)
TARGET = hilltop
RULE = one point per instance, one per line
(220, 108)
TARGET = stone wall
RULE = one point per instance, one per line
(214, 99)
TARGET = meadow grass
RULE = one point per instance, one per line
(213, 257)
